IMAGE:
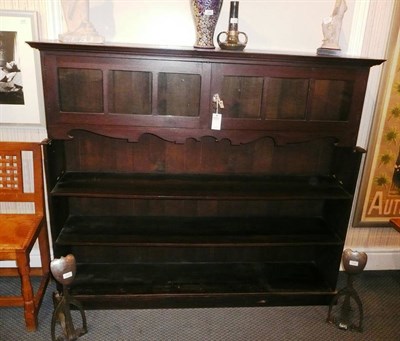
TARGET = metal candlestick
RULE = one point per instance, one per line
(232, 41)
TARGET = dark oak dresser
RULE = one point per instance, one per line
(164, 204)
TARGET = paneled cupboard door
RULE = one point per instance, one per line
(129, 92)
(279, 98)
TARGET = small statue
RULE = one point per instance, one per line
(80, 29)
(331, 28)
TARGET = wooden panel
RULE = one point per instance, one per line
(202, 232)
(130, 92)
(242, 96)
(195, 208)
(286, 98)
(76, 86)
(207, 156)
(178, 94)
(331, 100)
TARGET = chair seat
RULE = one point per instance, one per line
(18, 230)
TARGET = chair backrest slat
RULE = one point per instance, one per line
(21, 178)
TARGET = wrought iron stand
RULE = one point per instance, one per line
(354, 263)
(64, 270)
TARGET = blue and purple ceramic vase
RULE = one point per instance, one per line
(205, 13)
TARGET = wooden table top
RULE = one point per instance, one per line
(395, 223)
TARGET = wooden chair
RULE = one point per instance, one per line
(21, 189)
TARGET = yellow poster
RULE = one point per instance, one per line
(383, 192)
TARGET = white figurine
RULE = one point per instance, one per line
(80, 29)
(332, 25)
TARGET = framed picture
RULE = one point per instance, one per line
(379, 197)
(21, 93)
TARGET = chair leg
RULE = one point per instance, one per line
(45, 266)
(44, 249)
(30, 310)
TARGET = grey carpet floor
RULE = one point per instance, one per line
(379, 292)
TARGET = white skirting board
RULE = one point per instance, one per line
(383, 260)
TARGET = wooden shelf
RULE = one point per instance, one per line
(196, 231)
(218, 284)
(194, 187)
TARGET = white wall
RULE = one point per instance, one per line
(285, 25)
